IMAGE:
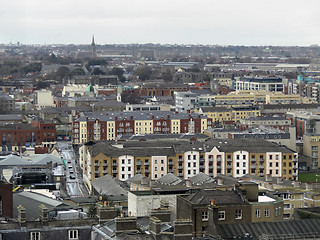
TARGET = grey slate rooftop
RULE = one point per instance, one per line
(277, 230)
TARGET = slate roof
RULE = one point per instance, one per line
(107, 185)
(171, 148)
(8, 117)
(32, 201)
(13, 160)
(203, 197)
(169, 179)
(43, 159)
(201, 178)
(276, 229)
(110, 116)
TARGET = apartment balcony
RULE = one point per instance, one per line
(229, 160)
(261, 174)
(253, 160)
(218, 167)
(202, 160)
(210, 159)
(138, 163)
(96, 164)
(146, 163)
(201, 167)
(138, 172)
(104, 171)
(261, 166)
(180, 174)
(180, 167)
(295, 174)
(295, 159)
(105, 164)
(146, 171)
(114, 164)
(229, 166)
(210, 167)
(261, 159)
(253, 166)
(180, 160)
(170, 163)
(219, 159)
(114, 171)
(96, 171)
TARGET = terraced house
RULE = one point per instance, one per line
(109, 125)
(156, 159)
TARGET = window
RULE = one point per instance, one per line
(222, 215)
(267, 212)
(34, 235)
(73, 234)
(205, 216)
(257, 212)
(238, 214)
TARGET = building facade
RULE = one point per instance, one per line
(112, 124)
(156, 159)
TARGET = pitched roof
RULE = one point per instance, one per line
(169, 179)
(278, 230)
(43, 159)
(107, 185)
(13, 160)
(201, 178)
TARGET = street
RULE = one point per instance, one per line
(74, 182)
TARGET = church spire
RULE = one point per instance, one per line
(93, 48)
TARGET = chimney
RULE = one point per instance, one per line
(279, 180)
(220, 181)
(21, 215)
(152, 183)
(188, 184)
(43, 213)
(105, 213)
(270, 186)
(144, 180)
(212, 202)
(269, 178)
(155, 228)
(182, 229)
(296, 184)
(309, 186)
(126, 224)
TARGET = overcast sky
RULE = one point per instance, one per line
(223, 22)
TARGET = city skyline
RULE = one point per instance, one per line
(279, 23)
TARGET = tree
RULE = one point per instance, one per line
(76, 71)
(167, 75)
(94, 62)
(143, 72)
(131, 98)
(119, 72)
(32, 67)
(62, 72)
(97, 71)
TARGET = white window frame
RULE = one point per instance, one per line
(35, 236)
(258, 213)
(222, 215)
(267, 212)
(73, 234)
(205, 216)
(238, 214)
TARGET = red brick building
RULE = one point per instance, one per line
(6, 199)
(41, 136)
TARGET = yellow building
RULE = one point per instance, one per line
(222, 114)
